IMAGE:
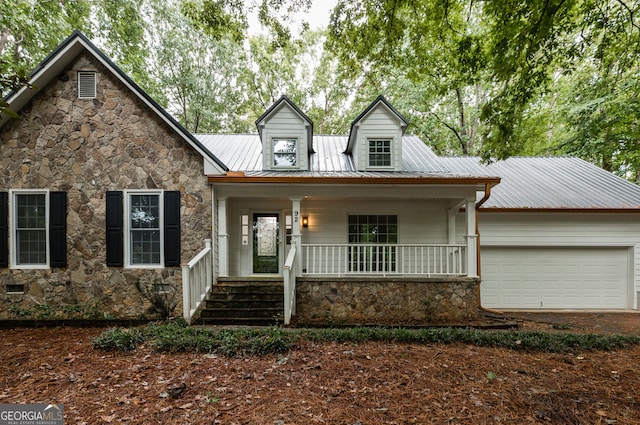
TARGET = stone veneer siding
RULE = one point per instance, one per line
(391, 301)
(87, 147)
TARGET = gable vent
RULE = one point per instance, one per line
(86, 85)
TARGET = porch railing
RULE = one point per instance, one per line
(384, 259)
(197, 277)
(289, 275)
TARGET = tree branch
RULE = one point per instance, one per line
(455, 132)
(623, 4)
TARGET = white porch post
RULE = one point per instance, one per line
(296, 237)
(451, 225)
(223, 238)
(214, 245)
(472, 251)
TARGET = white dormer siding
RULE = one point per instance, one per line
(284, 134)
(377, 130)
(375, 139)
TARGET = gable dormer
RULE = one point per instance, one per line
(286, 134)
(375, 139)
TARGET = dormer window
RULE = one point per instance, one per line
(286, 134)
(285, 152)
(380, 153)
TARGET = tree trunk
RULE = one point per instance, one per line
(464, 133)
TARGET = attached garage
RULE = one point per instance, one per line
(556, 277)
(556, 233)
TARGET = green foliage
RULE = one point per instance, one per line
(522, 56)
(163, 297)
(228, 18)
(227, 342)
(195, 74)
(177, 337)
(57, 312)
(19, 312)
(118, 339)
(493, 79)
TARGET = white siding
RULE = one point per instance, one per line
(285, 123)
(419, 222)
(567, 230)
(380, 124)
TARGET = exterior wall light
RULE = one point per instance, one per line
(305, 221)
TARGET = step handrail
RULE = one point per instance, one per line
(197, 277)
(289, 275)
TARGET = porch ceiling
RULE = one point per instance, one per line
(223, 188)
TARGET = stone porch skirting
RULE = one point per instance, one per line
(386, 301)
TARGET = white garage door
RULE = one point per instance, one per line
(554, 278)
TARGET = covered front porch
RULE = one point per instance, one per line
(346, 239)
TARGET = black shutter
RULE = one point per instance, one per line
(58, 229)
(4, 229)
(172, 228)
(114, 220)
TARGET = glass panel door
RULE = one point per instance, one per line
(266, 243)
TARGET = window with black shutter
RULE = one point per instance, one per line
(36, 220)
(58, 229)
(143, 228)
(4, 229)
(114, 230)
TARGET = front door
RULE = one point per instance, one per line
(266, 242)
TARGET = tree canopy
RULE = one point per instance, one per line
(494, 79)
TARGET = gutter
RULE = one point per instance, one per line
(487, 194)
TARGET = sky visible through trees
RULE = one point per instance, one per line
(493, 79)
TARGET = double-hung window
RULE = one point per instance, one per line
(30, 232)
(372, 240)
(144, 224)
(285, 152)
(379, 153)
(143, 228)
(33, 229)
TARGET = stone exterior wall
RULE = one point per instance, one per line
(386, 301)
(86, 148)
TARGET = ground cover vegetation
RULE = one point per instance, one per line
(176, 336)
(494, 79)
(168, 373)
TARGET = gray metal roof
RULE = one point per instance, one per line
(243, 152)
(527, 182)
(550, 183)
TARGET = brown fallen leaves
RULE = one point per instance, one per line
(318, 384)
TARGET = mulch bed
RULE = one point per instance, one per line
(372, 383)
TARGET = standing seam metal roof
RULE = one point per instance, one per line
(551, 183)
(527, 182)
(243, 152)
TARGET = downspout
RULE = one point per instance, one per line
(487, 194)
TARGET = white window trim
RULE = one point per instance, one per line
(391, 153)
(127, 228)
(13, 228)
(273, 153)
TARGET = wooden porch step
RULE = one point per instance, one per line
(253, 313)
(238, 321)
(245, 302)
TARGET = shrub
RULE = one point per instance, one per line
(118, 339)
(177, 337)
